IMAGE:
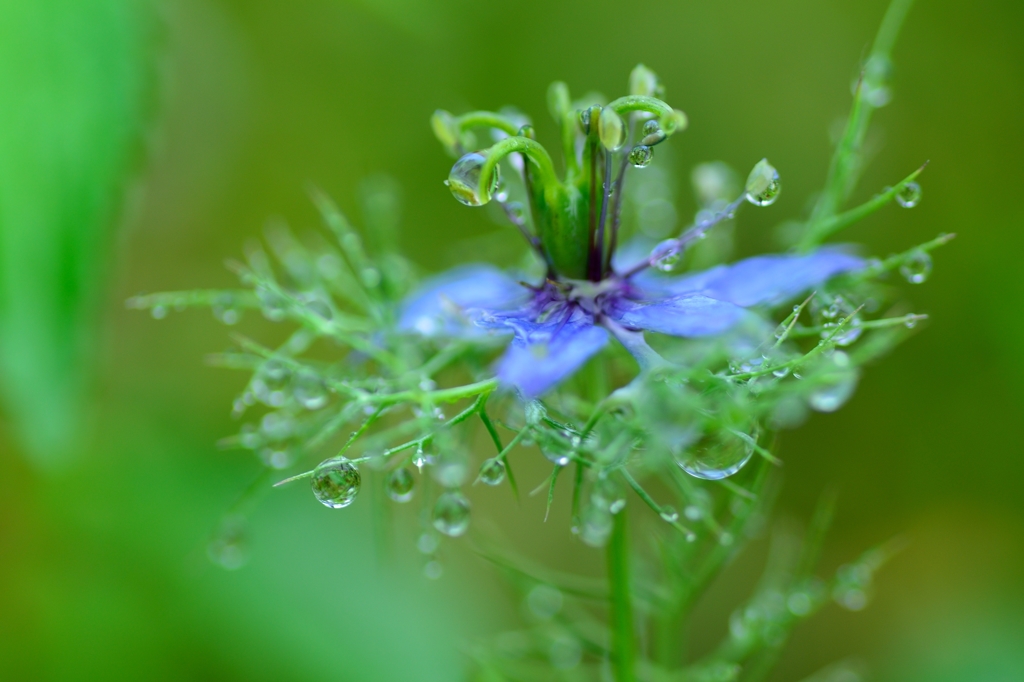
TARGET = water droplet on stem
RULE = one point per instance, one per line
(336, 482)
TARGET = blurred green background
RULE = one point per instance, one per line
(142, 143)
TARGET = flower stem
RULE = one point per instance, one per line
(623, 646)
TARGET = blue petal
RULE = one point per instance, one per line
(684, 315)
(543, 354)
(761, 279)
(442, 304)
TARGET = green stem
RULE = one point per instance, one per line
(623, 649)
(486, 119)
(540, 161)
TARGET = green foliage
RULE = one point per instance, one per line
(77, 86)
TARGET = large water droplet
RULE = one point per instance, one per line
(652, 134)
(399, 484)
(464, 181)
(716, 456)
(611, 130)
(763, 184)
(309, 389)
(666, 255)
(640, 156)
(492, 472)
(336, 482)
(909, 195)
(917, 267)
(451, 513)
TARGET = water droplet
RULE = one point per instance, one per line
(565, 653)
(228, 548)
(451, 514)
(780, 372)
(309, 389)
(611, 130)
(848, 334)
(336, 482)
(464, 180)
(527, 131)
(608, 495)
(652, 133)
(725, 539)
(910, 322)
(517, 212)
(851, 598)
(273, 305)
(874, 82)
(716, 456)
(669, 513)
(280, 457)
(640, 156)
(666, 255)
(225, 309)
(544, 601)
(370, 278)
(909, 195)
(399, 484)
(799, 603)
(917, 267)
(585, 116)
(597, 525)
(427, 543)
(501, 195)
(763, 184)
(492, 472)
(158, 312)
(433, 569)
(276, 426)
(834, 395)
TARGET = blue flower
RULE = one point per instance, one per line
(558, 325)
(573, 227)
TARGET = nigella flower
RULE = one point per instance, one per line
(557, 324)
